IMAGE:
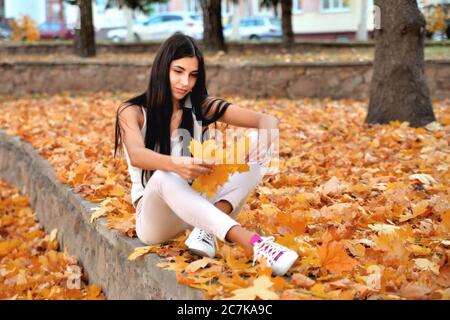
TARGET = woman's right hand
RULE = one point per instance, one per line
(191, 168)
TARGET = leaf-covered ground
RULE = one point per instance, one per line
(355, 54)
(366, 207)
(31, 267)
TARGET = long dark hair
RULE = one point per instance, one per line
(157, 100)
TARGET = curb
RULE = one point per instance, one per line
(101, 252)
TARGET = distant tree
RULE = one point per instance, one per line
(271, 4)
(286, 19)
(144, 6)
(212, 23)
(84, 44)
(286, 23)
(399, 89)
(436, 19)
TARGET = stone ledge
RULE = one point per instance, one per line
(225, 64)
(101, 252)
(146, 46)
(293, 81)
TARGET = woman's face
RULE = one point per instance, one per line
(183, 75)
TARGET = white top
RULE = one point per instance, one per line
(137, 190)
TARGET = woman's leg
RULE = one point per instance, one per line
(232, 197)
(238, 188)
(170, 205)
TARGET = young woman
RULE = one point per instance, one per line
(161, 176)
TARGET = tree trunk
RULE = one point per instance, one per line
(361, 34)
(286, 24)
(213, 32)
(85, 36)
(399, 89)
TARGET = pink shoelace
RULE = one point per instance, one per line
(267, 249)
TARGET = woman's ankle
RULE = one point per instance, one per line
(224, 206)
(243, 237)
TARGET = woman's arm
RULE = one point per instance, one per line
(147, 159)
(140, 156)
(241, 117)
(266, 124)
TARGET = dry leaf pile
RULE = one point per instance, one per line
(366, 207)
(31, 267)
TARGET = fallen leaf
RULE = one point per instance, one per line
(259, 289)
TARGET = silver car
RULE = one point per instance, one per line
(256, 28)
(162, 26)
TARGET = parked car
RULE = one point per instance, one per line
(5, 31)
(256, 28)
(55, 30)
(162, 26)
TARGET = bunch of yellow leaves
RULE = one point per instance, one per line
(228, 159)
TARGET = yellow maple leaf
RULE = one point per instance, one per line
(334, 258)
(201, 263)
(259, 289)
(102, 210)
(228, 163)
(178, 265)
(140, 251)
(446, 219)
(425, 264)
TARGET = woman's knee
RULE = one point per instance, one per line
(152, 237)
(165, 176)
(159, 175)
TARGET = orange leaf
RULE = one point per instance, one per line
(334, 257)
(302, 281)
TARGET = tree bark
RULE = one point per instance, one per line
(399, 90)
(212, 21)
(85, 36)
(286, 24)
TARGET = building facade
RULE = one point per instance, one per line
(318, 19)
(39, 10)
(330, 19)
(311, 19)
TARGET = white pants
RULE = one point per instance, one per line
(170, 205)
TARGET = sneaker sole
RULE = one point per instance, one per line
(291, 258)
(199, 253)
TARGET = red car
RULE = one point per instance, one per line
(55, 30)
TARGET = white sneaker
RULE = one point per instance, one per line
(278, 257)
(201, 243)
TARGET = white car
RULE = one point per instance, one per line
(256, 28)
(162, 26)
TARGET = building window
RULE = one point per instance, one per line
(335, 5)
(297, 6)
(161, 7)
